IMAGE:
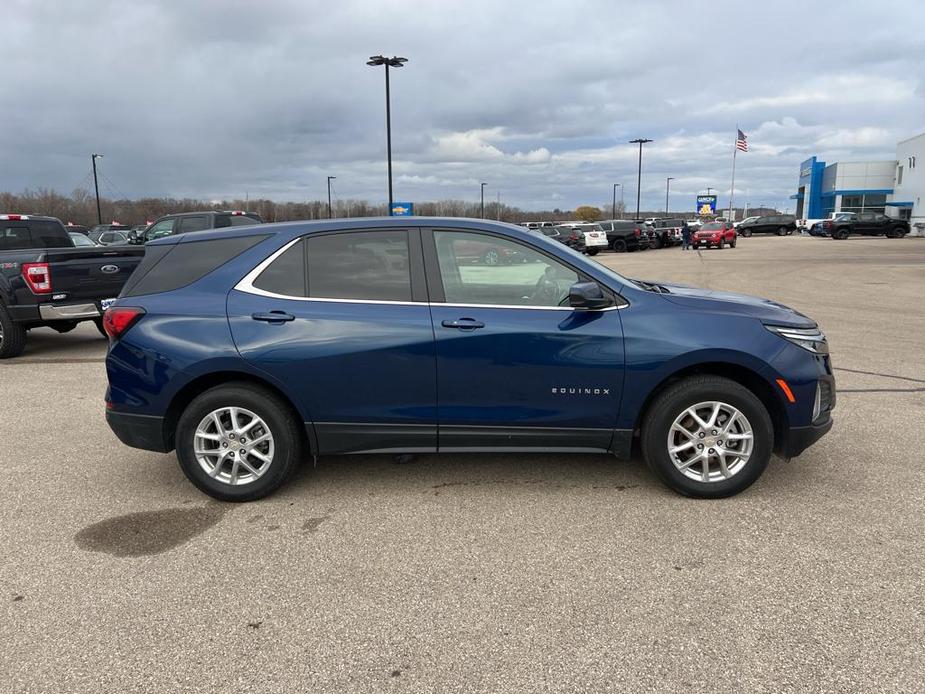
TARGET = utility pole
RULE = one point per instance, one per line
(613, 211)
(640, 141)
(330, 211)
(482, 189)
(96, 187)
(667, 189)
(498, 216)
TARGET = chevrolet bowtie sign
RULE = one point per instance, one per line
(402, 209)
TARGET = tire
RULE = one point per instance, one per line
(619, 246)
(284, 449)
(12, 336)
(732, 244)
(782, 231)
(746, 233)
(840, 234)
(491, 257)
(671, 404)
(592, 251)
(722, 244)
(895, 233)
(98, 322)
(657, 242)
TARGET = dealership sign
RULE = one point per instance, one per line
(706, 205)
(402, 209)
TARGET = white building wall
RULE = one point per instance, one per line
(910, 155)
(864, 175)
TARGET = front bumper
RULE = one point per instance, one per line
(139, 431)
(800, 438)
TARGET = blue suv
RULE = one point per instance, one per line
(246, 348)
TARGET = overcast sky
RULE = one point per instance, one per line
(216, 99)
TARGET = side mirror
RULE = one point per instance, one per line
(587, 295)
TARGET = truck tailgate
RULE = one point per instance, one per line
(91, 274)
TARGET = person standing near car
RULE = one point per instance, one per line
(685, 237)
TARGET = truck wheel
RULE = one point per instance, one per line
(895, 233)
(657, 242)
(238, 442)
(707, 437)
(592, 251)
(12, 336)
(619, 245)
(840, 234)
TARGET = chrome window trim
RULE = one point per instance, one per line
(246, 285)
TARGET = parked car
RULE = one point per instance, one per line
(867, 224)
(623, 235)
(551, 232)
(46, 281)
(818, 227)
(82, 240)
(96, 232)
(110, 238)
(714, 235)
(746, 220)
(584, 237)
(243, 349)
(780, 224)
(79, 228)
(184, 222)
(667, 232)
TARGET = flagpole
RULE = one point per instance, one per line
(732, 189)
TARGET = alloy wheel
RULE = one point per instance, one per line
(710, 441)
(233, 445)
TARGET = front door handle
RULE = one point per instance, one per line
(273, 317)
(463, 324)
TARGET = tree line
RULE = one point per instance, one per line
(80, 208)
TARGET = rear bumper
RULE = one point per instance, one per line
(139, 431)
(801, 438)
(68, 311)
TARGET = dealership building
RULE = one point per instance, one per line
(895, 187)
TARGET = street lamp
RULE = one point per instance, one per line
(375, 61)
(96, 187)
(667, 188)
(640, 141)
(482, 190)
(613, 211)
(331, 178)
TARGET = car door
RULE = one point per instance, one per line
(866, 223)
(159, 229)
(341, 318)
(517, 367)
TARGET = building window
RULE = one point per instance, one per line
(899, 175)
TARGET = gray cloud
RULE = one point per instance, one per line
(212, 99)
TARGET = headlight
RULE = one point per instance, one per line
(811, 339)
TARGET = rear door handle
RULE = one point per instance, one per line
(463, 324)
(273, 317)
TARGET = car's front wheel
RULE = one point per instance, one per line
(238, 442)
(707, 437)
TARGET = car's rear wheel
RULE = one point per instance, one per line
(732, 244)
(707, 437)
(12, 336)
(619, 245)
(591, 251)
(895, 233)
(238, 442)
(657, 242)
(722, 244)
(840, 234)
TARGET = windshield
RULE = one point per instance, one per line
(80, 239)
(712, 226)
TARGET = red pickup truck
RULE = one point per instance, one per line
(716, 234)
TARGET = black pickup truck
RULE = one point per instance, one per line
(866, 224)
(46, 281)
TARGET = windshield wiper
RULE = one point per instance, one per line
(652, 287)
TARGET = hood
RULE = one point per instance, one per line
(718, 301)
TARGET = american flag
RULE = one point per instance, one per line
(741, 141)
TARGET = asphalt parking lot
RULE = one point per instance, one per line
(485, 572)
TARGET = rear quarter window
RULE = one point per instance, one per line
(169, 267)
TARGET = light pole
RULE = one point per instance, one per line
(640, 141)
(375, 61)
(331, 178)
(96, 187)
(482, 190)
(613, 211)
(667, 189)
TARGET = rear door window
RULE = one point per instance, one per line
(197, 223)
(372, 265)
(286, 275)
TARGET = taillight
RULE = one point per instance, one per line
(38, 277)
(637, 232)
(118, 319)
(827, 224)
